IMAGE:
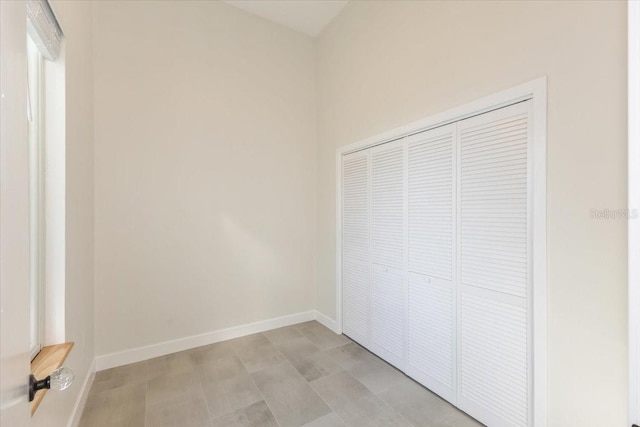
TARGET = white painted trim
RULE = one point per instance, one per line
(634, 206)
(535, 90)
(78, 408)
(339, 326)
(55, 188)
(539, 233)
(492, 102)
(325, 320)
(139, 354)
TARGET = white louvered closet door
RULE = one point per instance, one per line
(388, 252)
(494, 301)
(356, 261)
(431, 332)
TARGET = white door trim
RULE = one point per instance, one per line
(634, 207)
(535, 90)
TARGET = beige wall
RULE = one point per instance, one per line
(385, 64)
(205, 171)
(76, 21)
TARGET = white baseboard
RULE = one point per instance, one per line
(76, 413)
(139, 354)
(328, 322)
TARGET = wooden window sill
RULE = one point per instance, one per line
(48, 360)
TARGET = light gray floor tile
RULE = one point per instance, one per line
(417, 404)
(280, 335)
(170, 364)
(118, 406)
(241, 391)
(370, 412)
(315, 366)
(297, 348)
(322, 336)
(135, 373)
(255, 415)
(288, 377)
(257, 352)
(329, 420)
(349, 355)
(212, 352)
(173, 388)
(308, 359)
(184, 413)
(227, 386)
(457, 418)
(249, 342)
(224, 367)
(214, 394)
(377, 375)
(291, 399)
(339, 388)
(132, 421)
(137, 420)
(424, 408)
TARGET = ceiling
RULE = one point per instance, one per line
(306, 16)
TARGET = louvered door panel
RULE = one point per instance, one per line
(494, 380)
(431, 202)
(387, 205)
(387, 314)
(388, 252)
(431, 260)
(494, 361)
(356, 260)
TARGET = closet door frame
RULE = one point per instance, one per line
(535, 90)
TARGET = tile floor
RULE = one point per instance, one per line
(300, 375)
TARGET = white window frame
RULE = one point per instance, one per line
(36, 195)
(45, 52)
(634, 208)
(536, 91)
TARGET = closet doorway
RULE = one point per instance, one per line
(442, 253)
